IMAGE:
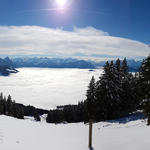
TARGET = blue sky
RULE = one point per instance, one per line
(127, 19)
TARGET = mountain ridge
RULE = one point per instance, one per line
(8, 66)
(45, 62)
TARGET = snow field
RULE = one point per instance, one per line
(30, 135)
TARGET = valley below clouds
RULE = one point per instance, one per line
(48, 88)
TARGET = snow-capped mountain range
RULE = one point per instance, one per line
(8, 65)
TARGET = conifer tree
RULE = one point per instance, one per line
(91, 98)
(108, 91)
(90, 107)
(118, 65)
(124, 67)
(4, 105)
(8, 105)
(13, 110)
(19, 114)
(144, 77)
(129, 91)
(37, 117)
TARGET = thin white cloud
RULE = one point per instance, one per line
(28, 40)
(46, 9)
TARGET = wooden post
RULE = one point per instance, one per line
(90, 133)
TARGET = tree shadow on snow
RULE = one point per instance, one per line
(132, 117)
(91, 148)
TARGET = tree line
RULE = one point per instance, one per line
(112, 96)
(144, 87)
(10, 108)
(115, 94)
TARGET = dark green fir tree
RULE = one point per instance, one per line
(144, 83)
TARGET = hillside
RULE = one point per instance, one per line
(7, 66)
(129, 133)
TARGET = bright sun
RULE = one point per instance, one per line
(61, 2)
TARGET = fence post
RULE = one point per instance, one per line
(90, 133)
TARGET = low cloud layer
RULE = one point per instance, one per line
(81, 42)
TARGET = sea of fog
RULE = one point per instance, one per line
(48, 88)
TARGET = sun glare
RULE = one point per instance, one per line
(61, 2)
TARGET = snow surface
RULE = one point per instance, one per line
(126, 134)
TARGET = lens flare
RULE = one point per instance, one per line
(61, 2)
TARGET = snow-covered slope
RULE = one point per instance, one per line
(26, 134)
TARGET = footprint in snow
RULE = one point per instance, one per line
(1, 137)
(17, 142)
